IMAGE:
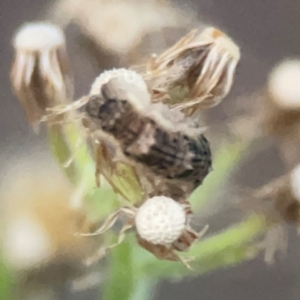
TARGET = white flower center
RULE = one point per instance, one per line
(160, 220)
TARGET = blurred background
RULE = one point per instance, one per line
(266, 31)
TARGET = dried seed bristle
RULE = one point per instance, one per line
(160, 220)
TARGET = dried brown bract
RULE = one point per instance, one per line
(197, 72)
(162, 227)
(40, 73)
(174, 158)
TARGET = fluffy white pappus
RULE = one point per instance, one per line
(135, 85)
(25, 244)
(284, 84)
(295, 183)
(160, 220)
(38, 36)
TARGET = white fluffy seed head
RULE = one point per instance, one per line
(295, 183)
(284, 84)
(133, 82)
(38, 36)
(160, 220)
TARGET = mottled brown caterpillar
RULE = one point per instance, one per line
(176, 156)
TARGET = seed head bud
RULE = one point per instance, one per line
(160, 220)
(283, 85)
(40, 73)
(198, 70)
(129, 81)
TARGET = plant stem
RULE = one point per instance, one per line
(121, 283)
(144, 288)
(6, 282)
(226, 248)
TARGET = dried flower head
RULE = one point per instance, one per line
(121, 176)
(40, 73)
(118, 26)
(118, 173)
(197, 72)
(162, 227)
(175, 158)
(282, 105)
(278, 196)
(130, 81)
(279, 202)
(281, 114)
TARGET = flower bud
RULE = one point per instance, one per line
(40, 73)
(198, 71)
(160, 220)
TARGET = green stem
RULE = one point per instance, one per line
(6, 282)
(144, 288)
(66, 141)
(61, 151)
(121, 283)
(227, 248)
